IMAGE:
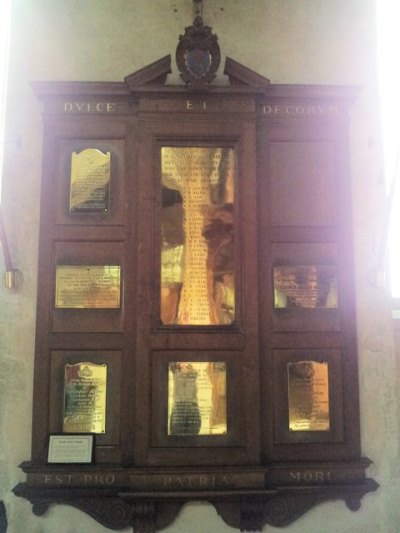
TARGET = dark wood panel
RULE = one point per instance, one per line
(302, 175)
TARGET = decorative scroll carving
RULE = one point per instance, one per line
(147, 513)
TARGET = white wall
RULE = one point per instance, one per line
(288, 41)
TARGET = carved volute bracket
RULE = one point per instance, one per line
(147, 513)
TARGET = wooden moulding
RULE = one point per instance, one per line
(149, 500)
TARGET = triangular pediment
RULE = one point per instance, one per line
(239, 75)
(155, 74)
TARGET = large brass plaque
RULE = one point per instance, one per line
(307, 287)
(197, 398)
(85, 390)
(197, 229)
(90, 181)
(93, 287)
(308, 389)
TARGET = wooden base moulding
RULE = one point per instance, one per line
(149, 500)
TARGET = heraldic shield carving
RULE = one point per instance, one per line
(198, 55)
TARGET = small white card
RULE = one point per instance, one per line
(70, 449)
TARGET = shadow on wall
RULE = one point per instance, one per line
(3, 518)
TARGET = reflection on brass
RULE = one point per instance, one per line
(308, 396)
(13, 279)
(93, 287)
(305, 286)
(197, 398)
(90, 181)
(197, 229)
(85, 387)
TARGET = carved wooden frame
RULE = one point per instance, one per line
(148, 497)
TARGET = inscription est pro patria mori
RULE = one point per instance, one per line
(173, 481)
(138, 481)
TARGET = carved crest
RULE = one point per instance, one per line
(198, 55)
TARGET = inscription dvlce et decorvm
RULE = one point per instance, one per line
(89, 107)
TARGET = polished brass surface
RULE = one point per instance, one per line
(13, 279)
(90, 181)
(88, 286)
(308, 389)
(304, 286)
(197, 228)
(85, 391)
(197, 398)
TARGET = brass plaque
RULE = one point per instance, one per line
(197, 236)
(85, 388)
(92, 287)
(197, 398)
(308, 388)
(307, 287)
(90, 181)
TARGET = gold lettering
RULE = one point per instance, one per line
(99, 479)
(167, 481)
(309, 476)
(189, 104)
(299, 109)
(99, 107)
(47, 478)
(204, 105)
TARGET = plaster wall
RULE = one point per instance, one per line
(288, 41)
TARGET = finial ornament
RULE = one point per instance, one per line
(198, 55)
